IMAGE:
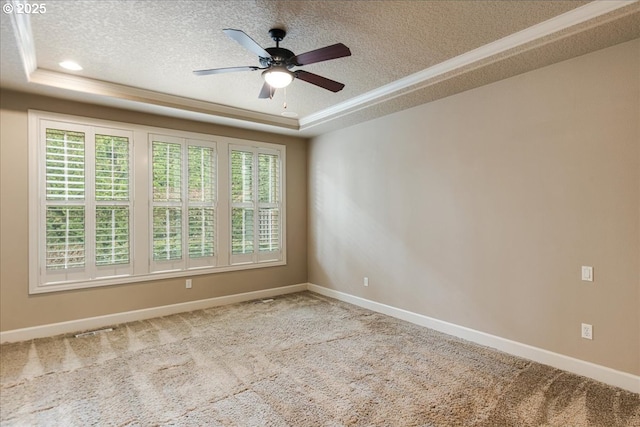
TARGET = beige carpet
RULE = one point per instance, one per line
(301, 360)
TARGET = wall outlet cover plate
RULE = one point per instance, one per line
(587, 273)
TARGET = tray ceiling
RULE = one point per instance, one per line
(140, 54)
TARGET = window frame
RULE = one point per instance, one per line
(141, 202)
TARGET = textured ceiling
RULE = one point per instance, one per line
(141, 54)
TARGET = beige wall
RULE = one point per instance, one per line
(19, 310)
(480, 209)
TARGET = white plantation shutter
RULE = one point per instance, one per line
(201, 232)
(242, 204)
(269, 204)
(167, 171)
(202, 200)
(166, 158)
(269, 174)
(167, 233)
(256, 185)
(112, 235)
(242, 176)
(269, 229)
(113, 206)
(65, 174)
(65, 194)
(105, 208)
(242, 231)
(65, 237)
(85, 211)
(112, 168)
(184, 201)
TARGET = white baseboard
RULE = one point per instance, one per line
(600, 373)
(147, 313)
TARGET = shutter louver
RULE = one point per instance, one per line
(167, 233)
(65, 237)
(201, 174)
(269, 178)
(167, 197)
(201, 201)
(112, 168)
(241, 177)
(242, 225)
(242, 215)
(112, 235)
(64, 165)
(269, 196)
(167, 172)
(201, 232)
(269, 229)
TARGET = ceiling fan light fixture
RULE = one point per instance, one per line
(278, 77)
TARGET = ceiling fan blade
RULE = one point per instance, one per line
(323, 54)
(225, 70)
(247, 42)
(266, 92)
(317, 80)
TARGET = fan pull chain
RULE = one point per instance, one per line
(284, 104)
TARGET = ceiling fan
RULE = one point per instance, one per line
(277, 62)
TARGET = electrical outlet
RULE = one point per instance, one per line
(188, 284)
(587, 331)
(366, 281)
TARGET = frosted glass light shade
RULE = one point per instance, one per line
(278, 77)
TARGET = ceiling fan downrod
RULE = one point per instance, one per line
(277, 35)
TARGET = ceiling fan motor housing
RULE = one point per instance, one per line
(279, 56)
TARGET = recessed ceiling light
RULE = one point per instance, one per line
(70, 65)
(289, 114)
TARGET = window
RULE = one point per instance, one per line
(114, 203)
(86, 206)
(183, 174)
(255, 204)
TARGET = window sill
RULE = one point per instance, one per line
(123, 280)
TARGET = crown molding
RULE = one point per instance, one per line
(21, 24)
(113, 90)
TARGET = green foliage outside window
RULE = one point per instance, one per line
(167, 172)
(112, 235)
(167, 233)
(65, 237)
(268, 179)
(112, 168)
